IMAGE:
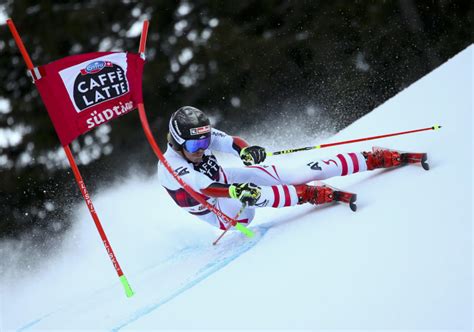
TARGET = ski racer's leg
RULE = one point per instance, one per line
(284, 186)
(269, 175)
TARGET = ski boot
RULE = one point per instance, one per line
(385, 158)
(324, 194)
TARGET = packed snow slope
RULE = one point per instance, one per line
(402, 261)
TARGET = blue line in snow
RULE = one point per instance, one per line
(206, 272)
(30, 324)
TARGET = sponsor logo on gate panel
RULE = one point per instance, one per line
(95, 67)
(94, 85)
(93, 82)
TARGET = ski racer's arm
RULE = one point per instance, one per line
(238, 144)
(247, 193)
(250, 155)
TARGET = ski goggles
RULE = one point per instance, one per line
(194, 145)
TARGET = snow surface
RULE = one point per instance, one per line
(402, 261)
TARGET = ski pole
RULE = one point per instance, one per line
(435, 127)
(236, 225)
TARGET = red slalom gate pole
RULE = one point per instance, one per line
(141, 48)
(78, 177)
(435, 127)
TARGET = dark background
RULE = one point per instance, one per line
(252, 61)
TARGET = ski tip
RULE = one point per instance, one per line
(353, 207)
(424, 162)
(352, 203)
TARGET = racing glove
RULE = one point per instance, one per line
(247, 193)
(252, 155)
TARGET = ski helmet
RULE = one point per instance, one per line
(190, 129)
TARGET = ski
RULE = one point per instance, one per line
(346, 197)
(410, 157)
(414, 158)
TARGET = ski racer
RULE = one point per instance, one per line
(192, 141)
